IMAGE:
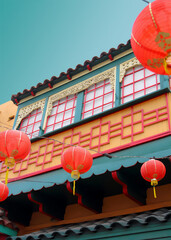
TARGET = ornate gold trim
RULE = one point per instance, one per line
(126, 65)
(108, 74)
(23, 112)
(152, 16)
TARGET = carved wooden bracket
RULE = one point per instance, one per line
(130, 187)
(18, 210)
(50, 206)
(87, 197)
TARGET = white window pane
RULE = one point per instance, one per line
(55, 103)
(91, 87)
(38, 117)
(129, 71)
(35, 134)
(88, 114)
(97, 110)
(129, 98)
(108, 88)
(23, 129)
(33, 112)
(53, 110)
(152, 89)
(88, 105)
(108, 98)
(128, 89)
(62, 100)
(24, 122)
(138, 67)
(148, 73)
(75, 102)
(61, 107)
(128, 79)
(59, 117)
(90, 95)
(67, 122)
(68, 114)
(139, 94)
(100, 84)
(73, 112)
(31, 119)
(139, 85)
(150, 81)
(58, 125)
(49, 129)
(98, 102)
(158, 78)
(51, 120)
(36, 126)
(107, 81)
(106, 107)
(29, 129)
(70, 104)
(99, 92)
(71, 96)
(139, 75)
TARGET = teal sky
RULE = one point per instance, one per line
(42, 38)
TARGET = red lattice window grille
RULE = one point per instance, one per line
(30, 124)
(98, 98)
(62, 114)
(138, 81)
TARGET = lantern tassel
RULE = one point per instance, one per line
(6, 177)
(154, 183)
(154, 190)
(74, 188)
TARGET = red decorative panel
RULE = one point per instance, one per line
(131, 126)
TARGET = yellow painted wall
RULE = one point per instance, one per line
(128, 127)
(7, 115)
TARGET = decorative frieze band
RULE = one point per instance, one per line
(126, 65)
(23, 112)
(109, 74)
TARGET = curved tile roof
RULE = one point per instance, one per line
(71, 72)
(5, 221)
(159, 215)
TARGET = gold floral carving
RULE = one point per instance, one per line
(126, 65)
(23, 112)
(108, 74)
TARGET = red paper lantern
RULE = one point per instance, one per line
(14, 146)
(153, 171)
(151, 37)
(4, 191)
(76, 160)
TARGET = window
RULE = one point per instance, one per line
(62, 114)
(138, 81)
(98, 98)
(30, 124)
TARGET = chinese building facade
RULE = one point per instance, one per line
(120, 112)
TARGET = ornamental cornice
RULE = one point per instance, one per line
(126, 65)
(23, 112)
(79, 87)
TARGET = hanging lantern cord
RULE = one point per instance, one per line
(74, 188)
(154, 183)
(6, 177)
